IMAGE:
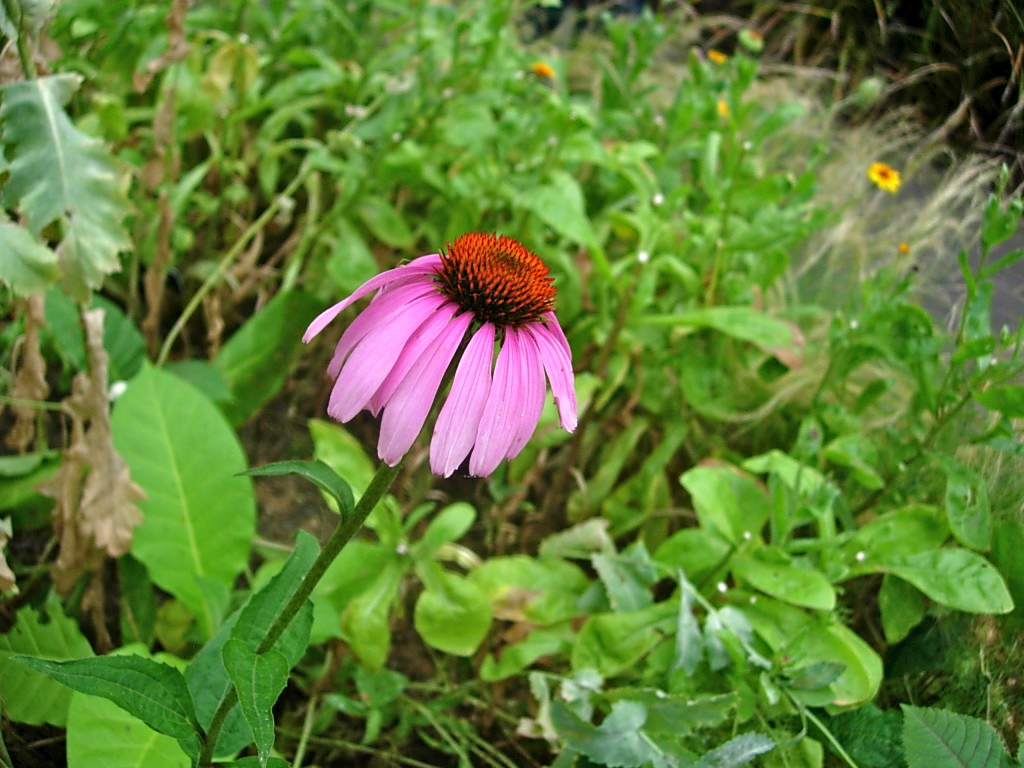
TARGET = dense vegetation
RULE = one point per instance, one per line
(785, 531)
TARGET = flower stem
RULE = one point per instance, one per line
(347, 528)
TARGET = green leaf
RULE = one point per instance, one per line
(452, 614)
(727, 500)
(793, 584)
(153, 692)
(859, 454)
(561, 206)
(259, 680)
(448, 525)
(121, 338)
(698, 551)
(678, 714)
(1008, 400)
(627, 577)
(385, 223)
(337, 448)
(259, 356)
(777, 337)
(365, 620)
(967, 504)
(57, 173)
(102, 735)
(29, 696)
(518, 656)
(897, 532)
(206, 676)
(617, 742)
(901, 606)
(738, 751)
(26, 265)
(316, 472)
(871, 736)
(199, 518)
(1007, 545)
(957, 578)
(613, 642)
(937, 738)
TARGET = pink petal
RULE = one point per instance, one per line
(422, 265)
(557, 362)
(419, 342)
(374, 357)
(495, 433)
(533, 391)
(456, 425)
(380, 311)
(406, 410)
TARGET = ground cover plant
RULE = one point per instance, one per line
(772, 517)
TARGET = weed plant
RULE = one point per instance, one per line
(794, 468)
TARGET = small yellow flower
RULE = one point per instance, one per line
(723, 109)
(885, 177)
(717, 56)
(542, 69)
(903, 248)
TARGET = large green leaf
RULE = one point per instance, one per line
(58, 173)
(937, 738)
(793, 584)
(26, 265)
(777, 337)
(102, 735)
(958, 578)
(258, 358)
(452, 613)
(199, 517)
(30, 696)
(153, 692)
(728, 501)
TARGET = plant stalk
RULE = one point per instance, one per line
(347, 528)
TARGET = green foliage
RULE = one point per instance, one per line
(775, 485)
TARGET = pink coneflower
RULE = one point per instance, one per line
(486, 290)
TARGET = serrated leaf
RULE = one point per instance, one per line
(199, 518)
(153, 692)
(29, 696)
(937, 738)
(26, 265)
(617, 742)
(259, 680)
(58, 173)
(316, 472)
(206, 675)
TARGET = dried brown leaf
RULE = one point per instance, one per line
(29, 378)
(6, 574)
(96, 509)
(177, 47)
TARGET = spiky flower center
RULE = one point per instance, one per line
(496, 279)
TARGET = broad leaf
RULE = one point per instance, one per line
(259, 680)
(452, 613)
(258, 358)
(957, 578)
(153, 692)
(799, 586)
(26, 265)
(58, 173)
(1008, 400)
(365, 622)
(937, 738)
(30, 696)
(199, 517)
(774, 336)
(727, 500)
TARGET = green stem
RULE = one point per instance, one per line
(16, 12)
(229, 258)
(347, 528)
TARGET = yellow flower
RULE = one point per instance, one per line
(717, 56)
(885, 177)
(542, 69)
(723, 108)
(903, 248)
